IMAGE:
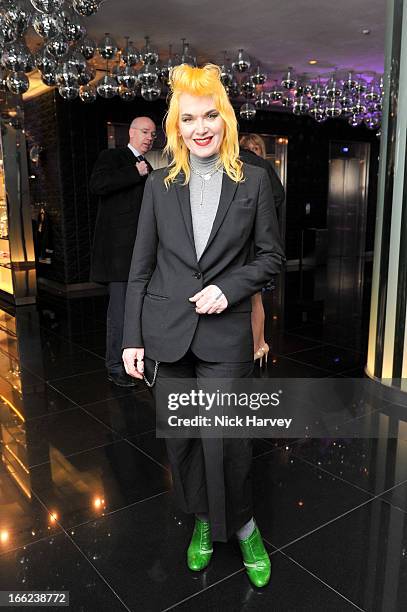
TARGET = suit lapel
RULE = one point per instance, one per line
(226, 196)
(184, 204)
(129, 155)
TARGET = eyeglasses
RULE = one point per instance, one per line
(146, 132)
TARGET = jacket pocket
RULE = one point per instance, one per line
(155, 296)
(243, 202)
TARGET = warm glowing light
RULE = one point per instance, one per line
(277, 162)
(13, 408)
(300, 503)
(275, 317)
(4, 536)
(53, 517)
(313, 61)
(98, 502)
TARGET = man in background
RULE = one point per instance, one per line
(118, 178)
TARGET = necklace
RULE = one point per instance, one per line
(204, 179)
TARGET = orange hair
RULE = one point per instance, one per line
(200, 82)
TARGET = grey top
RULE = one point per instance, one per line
(204, 195)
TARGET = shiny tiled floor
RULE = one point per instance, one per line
(85, 490)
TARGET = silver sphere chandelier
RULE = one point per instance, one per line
(72, 62)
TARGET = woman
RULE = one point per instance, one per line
(256, 144)
(188, 299)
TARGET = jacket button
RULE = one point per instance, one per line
(197, 275)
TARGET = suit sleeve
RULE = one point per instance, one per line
(243, 282)
(108, 177)
(141, 270)
(277, 187)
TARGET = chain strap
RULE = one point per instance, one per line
(152, 383)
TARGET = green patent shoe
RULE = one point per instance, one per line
(200, 548)
(256, 559)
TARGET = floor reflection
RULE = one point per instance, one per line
(86, 499)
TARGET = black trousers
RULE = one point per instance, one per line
(210, 475)
(114, 326)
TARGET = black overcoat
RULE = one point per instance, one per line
(120, 188)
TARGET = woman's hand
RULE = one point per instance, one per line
(133, 359)
(210, 300)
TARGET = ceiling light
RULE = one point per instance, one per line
(365, 31)
(313, 61)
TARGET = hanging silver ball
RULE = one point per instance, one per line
(68, 92)
(57, 46)
(46, 6)
(130, 55)
(17, 82)
(8, 32)
(318, 113)
(346, 101)
(87, 47)
(86, 76)
(242, 62)
(276, 94)
(87, 93)
(86, 8)
(287, 101)
(248, 88)
(45, 25)
(48, 77)
(226, 75)
(360, 86)
(107, 86)
(71, 24)
(303, 89)
(349, 83)
(148, 54)
(288, 81)
(163, 73)
(151, 92)
(301, 106)
(262, 100)
(333, 109)
(372, 121)
(318, 95)
(126, 94)
(148, 75)
(66, 75)
(77, 60)
(247, 111)
(233, 90)
(359, 108)
(17, 57)
(127, 77)
(333, 89)
(18, 16)
(44, 61)
(355, 120)
(107, 47)
(259, 77)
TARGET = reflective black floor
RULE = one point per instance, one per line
(85, 490)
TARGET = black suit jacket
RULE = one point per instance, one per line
(255, 160)
(165, 272)
(116, 180)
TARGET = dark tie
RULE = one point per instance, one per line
(140, 158)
